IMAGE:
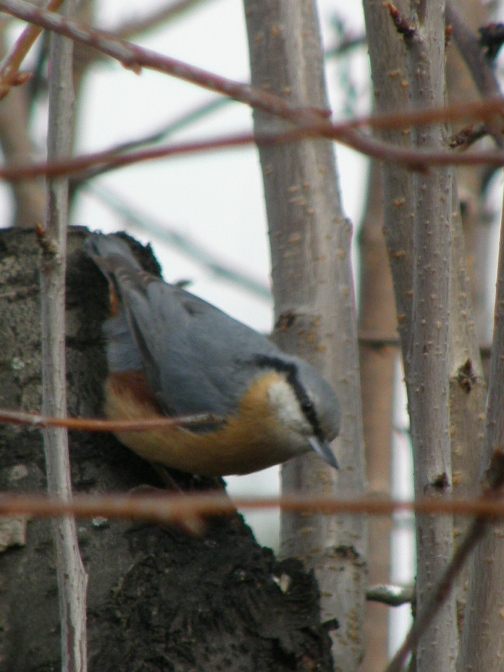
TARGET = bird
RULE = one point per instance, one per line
(170, 353)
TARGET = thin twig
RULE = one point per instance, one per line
(72, 578)
(438, 596)
(9, 68)
(475, 109)
(169, 508)
(133, 57)
(159, 16)
(97, 425)
(184, 120)
(411, 159)
(180, 241)
(392, 596)
(346, 44)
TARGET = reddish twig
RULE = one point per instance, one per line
(476, 109)
(135, 57)
(171, 508)
(409, 158)
(471, 51)
(311, 121)
(403, 25)
(9, 69)
(96, 425)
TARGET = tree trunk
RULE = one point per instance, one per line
(314, 305)
(377, 320)
(462, 407)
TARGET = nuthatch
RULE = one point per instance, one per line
(171, 353)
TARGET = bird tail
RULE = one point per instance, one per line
(115, 260)
(108, 250)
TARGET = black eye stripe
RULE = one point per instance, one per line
(291, 371)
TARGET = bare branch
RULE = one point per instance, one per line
(172, 11)
(182, 122)
(482, 619)
(9, 68)
(168, 508)
(72, 578)
(417, 160)
(479, 67)
(97, 425)
(392, 596)
(134, 57)
(310, 248)
(429, 357)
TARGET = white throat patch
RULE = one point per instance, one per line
(286, 405)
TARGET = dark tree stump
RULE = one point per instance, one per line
(158, 598)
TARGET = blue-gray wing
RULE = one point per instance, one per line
(197, 359)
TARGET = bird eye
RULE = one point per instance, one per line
(307, 405)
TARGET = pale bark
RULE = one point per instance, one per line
(458, 414)
(28, 195)
(482, 639)
(314, 305)
(467, 402)
(391, 93)
(377, 320)
(72, 578)
(428, 374)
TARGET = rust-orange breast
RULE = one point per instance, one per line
(241, 446)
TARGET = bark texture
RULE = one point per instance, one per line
(482, 640)
(377, 319)
(458, 355)
(72, 578)
(314, 305)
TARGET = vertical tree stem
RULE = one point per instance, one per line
(314, 305)
(72, 579)
(482, 639)
(428, 374)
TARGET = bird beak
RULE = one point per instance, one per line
(323, 450)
